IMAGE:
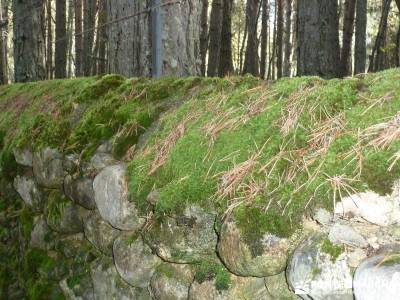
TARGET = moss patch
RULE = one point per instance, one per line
(211, 271)
(332, 250)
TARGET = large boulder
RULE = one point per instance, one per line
(238, 288)
(264, 257)
(134, 260)
(107, 284)
(23, 157)
(80, 190)
(376, 209)
(48, 167)
(378, 277)
(100, 233)
(185, 238)
(29, 191)
(319, 270)
(111, 196)
(171, 282)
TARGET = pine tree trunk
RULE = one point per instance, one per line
(78, 38)
(279, 39)
(3, 43)
(225, 61)
(89, 21)
(103, 37)
(251, 57)
(360, 45)
(61, 39)
(70, 34)
(29, 43)
(377, 56)
(288, 33)
(348, 27)
(318, 50)
(264, 37)
(398, 39)
(204, 37)
(49, 40)
(214, 46)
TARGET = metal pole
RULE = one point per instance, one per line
(156, 38)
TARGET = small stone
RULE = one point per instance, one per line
(29, 191)
(378, 277)
(134, 260)
(80, 191)
(23, 157)
(101, 160)
(344, 234)
(153, 197)
(376, 209)
(41, 235)
(323, 217)
(356, 257)
(48, 168)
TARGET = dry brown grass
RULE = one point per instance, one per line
(382, 135)
(169, 143)
(340, 185)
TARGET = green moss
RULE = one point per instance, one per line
(332, 250)
(212, 271)
(392, 260)
(56, 206)
(26, 220)
(316, 272)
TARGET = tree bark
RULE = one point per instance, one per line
(78, 38)
(348, 27)
(70, 35)
(288, 33)
(214, 46)
(3, 43)
(89, 21)
(360, 47)
(225, 60)
(251, 57)
(29, 43)
(279, 39)
(204, 37)
(102, 59)
(61, 39)
(264, 37)
(377, 56)
(318, 50)
(49, 40)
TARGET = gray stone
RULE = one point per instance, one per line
(266, 257)
(48, 168)
(171, 282)
(41, 235)
(28, 189)
(134, 260)
(378, 277)
(64, 216)
(152, 197)
(323, 217)
(108, 285)
(71, 163)
(112, 200)
(23, 157)
(239, 288)
(80, 191)
(314, 274)
(278, 287)
(101, 160)
(185, 238)
(106, 147)
(82, 290)
(345, 234)
(100, 233)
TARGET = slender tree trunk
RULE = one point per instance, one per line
(360, 46)
(279, 39)
(214, 47)
(377, 56)
(348, 27)
(102, 59)
(3, 43)
(70, 34)
(225, 60)
(293, 53)
(29, 43)
(78, 38)
(271, 68)
(49, 40)
(89, 21)
(204, 37)
(264, 37)
(242, 49)
(61, 39)
(398, 38)
(251, 57)
(318, 50)
(287, 44)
